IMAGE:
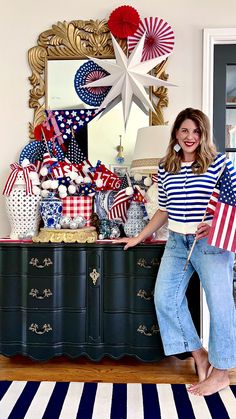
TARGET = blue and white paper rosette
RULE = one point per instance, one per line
(35, 150)
(87, 73)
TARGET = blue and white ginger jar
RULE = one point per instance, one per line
(51, 210)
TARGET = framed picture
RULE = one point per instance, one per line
(119, 170)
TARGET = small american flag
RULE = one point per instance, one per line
(120, 206)
(223, 205)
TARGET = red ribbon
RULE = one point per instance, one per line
(16, 168)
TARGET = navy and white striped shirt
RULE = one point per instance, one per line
(185, 195)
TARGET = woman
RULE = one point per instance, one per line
(186, 178)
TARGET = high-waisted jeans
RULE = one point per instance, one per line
(215, 269)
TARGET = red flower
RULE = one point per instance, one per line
(123, 21)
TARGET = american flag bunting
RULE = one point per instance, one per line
(223, 205)
(120, 206)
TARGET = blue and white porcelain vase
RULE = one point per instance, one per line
(51, 210)
(135, 222)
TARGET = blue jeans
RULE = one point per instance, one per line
(215, 269)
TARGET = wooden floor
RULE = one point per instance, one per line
(127, 370)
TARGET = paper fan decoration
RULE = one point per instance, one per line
(35, 150)
(159, 39)
(87, 73)
(123, 21)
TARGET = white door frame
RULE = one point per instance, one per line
(211, 37)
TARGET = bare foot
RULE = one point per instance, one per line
(203, 367)
(217, 380)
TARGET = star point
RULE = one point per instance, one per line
(128, 78)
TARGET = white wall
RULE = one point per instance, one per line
(22, 22)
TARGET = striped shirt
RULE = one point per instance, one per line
(185, 195)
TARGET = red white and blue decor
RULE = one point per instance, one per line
(72, 120)
(123, 21)
(87, 73)
(35, 150)
(159, 38)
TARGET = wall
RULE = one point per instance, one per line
(23, 21)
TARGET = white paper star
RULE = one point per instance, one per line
(128, 76)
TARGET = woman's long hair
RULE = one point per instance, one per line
(205, 152)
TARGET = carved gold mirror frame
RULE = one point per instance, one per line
(79, 39)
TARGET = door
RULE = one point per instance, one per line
(224, 99)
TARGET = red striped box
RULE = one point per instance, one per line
(72, 206)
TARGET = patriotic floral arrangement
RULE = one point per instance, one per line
(46, 171)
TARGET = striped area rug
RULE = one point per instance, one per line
(51, 400)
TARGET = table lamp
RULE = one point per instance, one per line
(151, 144)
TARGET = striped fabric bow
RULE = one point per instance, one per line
(16, 168)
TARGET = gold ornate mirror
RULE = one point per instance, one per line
(76, 40)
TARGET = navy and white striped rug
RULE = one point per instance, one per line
(62, 400)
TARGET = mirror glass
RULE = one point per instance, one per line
(103, 132)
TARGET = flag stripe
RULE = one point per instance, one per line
(223, 229)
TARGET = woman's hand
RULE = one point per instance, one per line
(130, 241)
(202, 230)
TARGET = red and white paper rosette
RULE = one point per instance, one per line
(159, 38)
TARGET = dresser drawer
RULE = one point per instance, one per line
(43, 292)
(10, 291)
(51, 261)
(46, 327)
(54, 327)
(58, 291)
(10, 261)
(138, 261)
(131, 329)
(11, 322)
(129, 293)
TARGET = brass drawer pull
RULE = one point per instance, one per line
(34, 328)
(94, 275)
(147, 296)
(143, 263)
(35, 262)
(144, 330)
(35, 293)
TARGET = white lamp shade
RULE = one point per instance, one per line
(150, 147)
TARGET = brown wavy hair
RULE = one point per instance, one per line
(205, 152)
